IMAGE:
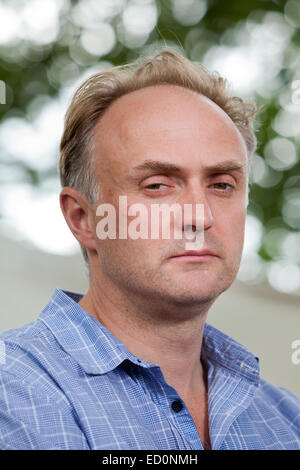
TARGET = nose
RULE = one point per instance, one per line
(196, 216)
(197, 213)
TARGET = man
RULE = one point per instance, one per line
(132, 364)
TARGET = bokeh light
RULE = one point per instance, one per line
(252, 53)
(36, 219)
(292, 12)
(291, 207)
(189, 12)
(280, 154)
(10, 22)
(137, 22)
(284, 276)
(262, 174)
(99, 40)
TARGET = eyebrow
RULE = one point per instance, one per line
(156, 165)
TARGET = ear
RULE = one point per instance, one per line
(77, 211)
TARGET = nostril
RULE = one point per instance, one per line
(191, 228)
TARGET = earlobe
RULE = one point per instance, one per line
(76, 211)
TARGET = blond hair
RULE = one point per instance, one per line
(100, 90)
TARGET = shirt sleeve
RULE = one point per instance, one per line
(31, 420)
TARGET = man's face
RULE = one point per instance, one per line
(174, 126)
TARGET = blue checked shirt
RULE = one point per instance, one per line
(67, 383)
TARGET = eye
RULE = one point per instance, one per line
(153, 186)
(223, 186)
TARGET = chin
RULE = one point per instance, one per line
(193, 297)
(203, 290)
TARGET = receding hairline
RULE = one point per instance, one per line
(171, 88)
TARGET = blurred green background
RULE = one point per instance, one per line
(48, 47)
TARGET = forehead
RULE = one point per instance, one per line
(168, 122)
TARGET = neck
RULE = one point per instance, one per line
(151, 332)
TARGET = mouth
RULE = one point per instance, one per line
(201, 255)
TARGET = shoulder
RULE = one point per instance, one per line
(279, 401)
(26, 337)
(29, 354)
(278, 396)
(35, 411)
(16, 344)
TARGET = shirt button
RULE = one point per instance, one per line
(177, 406)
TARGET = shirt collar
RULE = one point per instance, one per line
(226, 352)
(98, 351)
(83, 337)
